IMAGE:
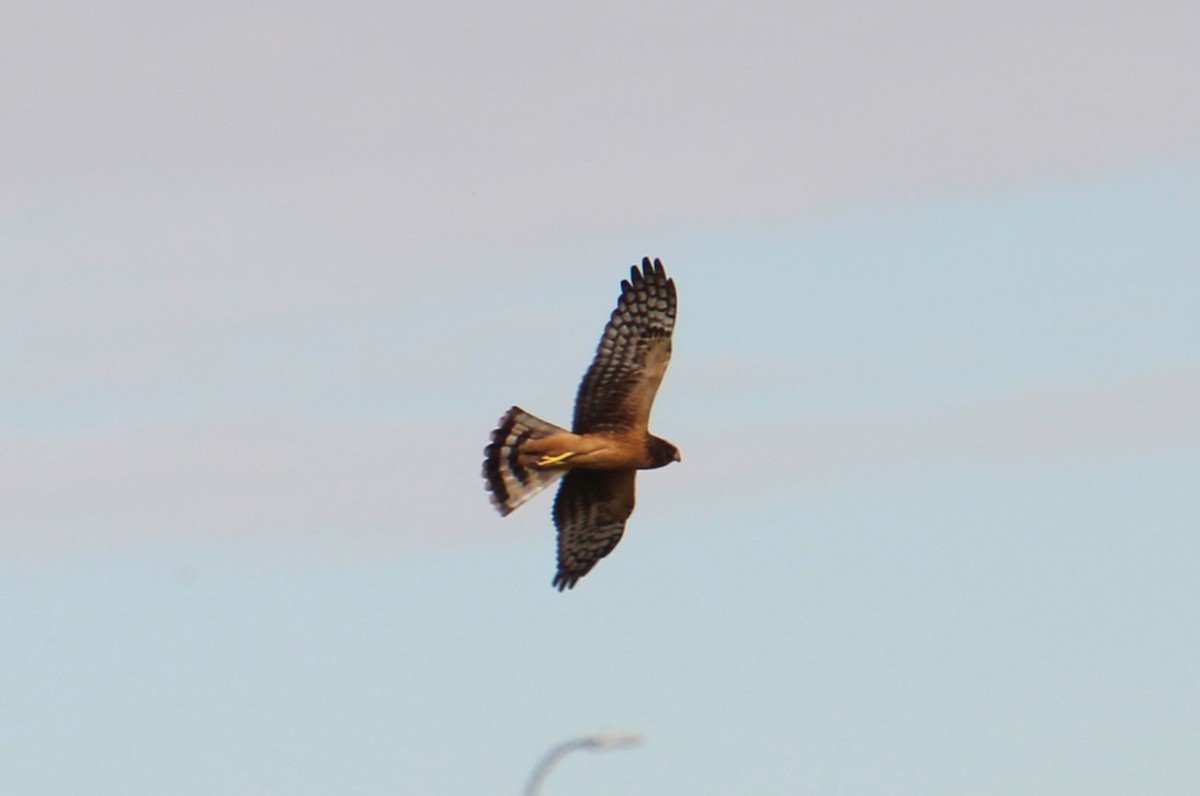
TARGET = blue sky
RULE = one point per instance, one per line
(270, 276)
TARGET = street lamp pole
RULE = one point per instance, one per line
(596, 743)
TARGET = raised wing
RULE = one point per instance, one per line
(619, 388)
(590, 511)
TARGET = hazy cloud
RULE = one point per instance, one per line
(422, 125)
(1041, 427)
(318, 489)
(326, 490)
(238, 241)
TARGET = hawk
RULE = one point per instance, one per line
(609, 440)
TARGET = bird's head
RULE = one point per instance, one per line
(662, 452)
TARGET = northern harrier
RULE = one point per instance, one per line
(609, 441)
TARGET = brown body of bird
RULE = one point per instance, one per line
(609, 440)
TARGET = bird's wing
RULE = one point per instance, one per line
(619, 388)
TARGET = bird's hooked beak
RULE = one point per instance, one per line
(678, 456)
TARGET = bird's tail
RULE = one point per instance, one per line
(508, 479)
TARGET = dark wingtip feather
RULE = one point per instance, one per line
(652, 270)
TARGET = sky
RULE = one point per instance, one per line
(270, 273)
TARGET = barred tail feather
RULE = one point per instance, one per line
(509, 481)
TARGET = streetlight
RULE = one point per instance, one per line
(596, 743)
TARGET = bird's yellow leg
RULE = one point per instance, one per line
(554, 461)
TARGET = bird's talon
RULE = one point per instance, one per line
(552, 461)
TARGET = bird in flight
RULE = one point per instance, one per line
(609, 440)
